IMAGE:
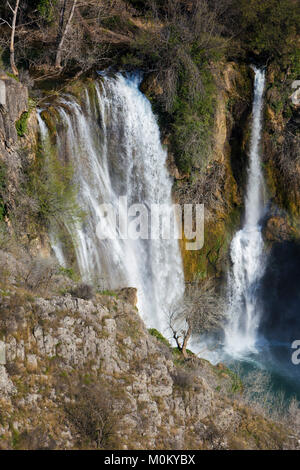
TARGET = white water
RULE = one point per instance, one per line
(113, 142)
(247, 247)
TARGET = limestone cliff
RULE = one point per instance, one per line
(80, 373)
(17, 131)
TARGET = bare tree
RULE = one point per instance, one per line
(200, 310)
(63, 31)
(93, 414)
(12, 26)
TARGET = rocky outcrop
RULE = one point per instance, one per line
(14, 102)
(15, 145)
(277, 229)
(65, 354)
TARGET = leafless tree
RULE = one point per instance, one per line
(200, 310)
(12, 26)
(93, 414)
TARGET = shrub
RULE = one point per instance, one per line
(35, 439)
(69, 272)
(21, 124)
(46, 10)
(183, 379)
(93, 416)
(39, 273)
(83, 291)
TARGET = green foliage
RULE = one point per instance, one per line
(69, 272)
(46, 10)
(21, 124)
(182, 54)
(159, 336)
(50, 184)
(269, 26)
(193, 122)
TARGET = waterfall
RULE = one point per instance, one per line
(247, 246)
(113, 141)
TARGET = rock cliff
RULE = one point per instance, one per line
(80, 373)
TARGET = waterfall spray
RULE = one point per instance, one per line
(247, 246)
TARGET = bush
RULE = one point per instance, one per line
(21, 124)
(93, 416)
(39, 273)
(183, 379)
(83, 291)
(35, 439)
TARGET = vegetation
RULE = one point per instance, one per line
(159, 336)
(178, 42)
(200, 310)
(51, 192)
(21, 124)
(83, 291)
(93, 415)
(268, 28)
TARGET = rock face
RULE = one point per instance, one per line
(65, 354)
(278, 230)
(13, 105)
(14, 102)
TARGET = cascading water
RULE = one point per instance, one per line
(247, 246)
(113, 142)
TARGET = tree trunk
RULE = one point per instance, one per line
(185, 342)
(61, 22)
(63, 36)
(12, 40)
